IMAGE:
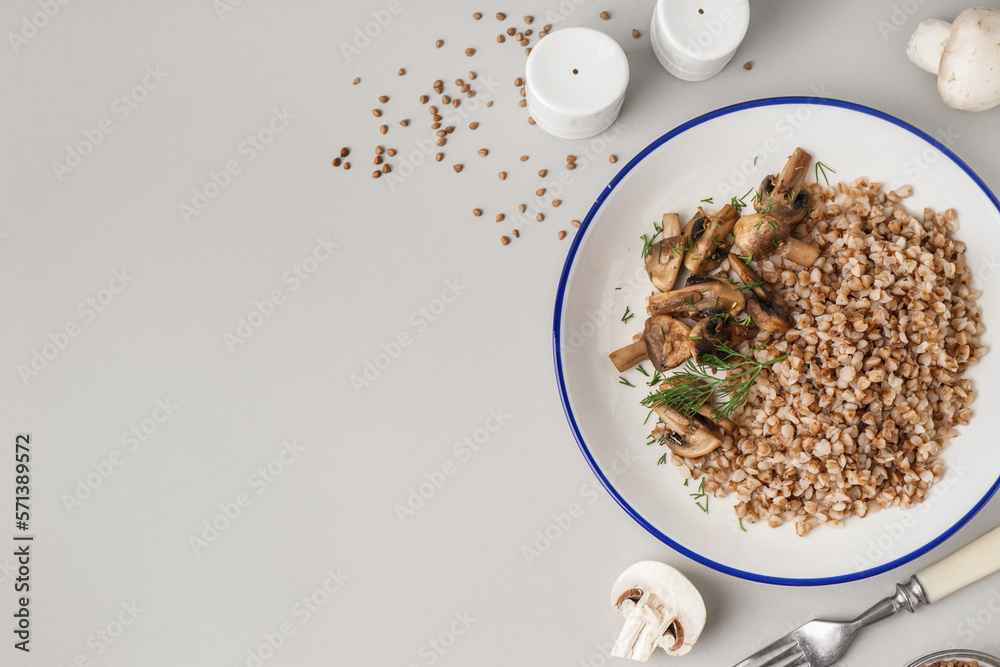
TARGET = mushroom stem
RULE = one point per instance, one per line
(793, 174)
(626, 357)
(798, 251)
(671, 225)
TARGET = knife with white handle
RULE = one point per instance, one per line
(966, 566)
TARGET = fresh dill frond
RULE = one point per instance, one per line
(822, 169)
(622, 380)
(721, 381)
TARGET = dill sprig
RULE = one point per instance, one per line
(622, 380)
(628, 315)
(648, 241)
(822, 169)
(697, 384)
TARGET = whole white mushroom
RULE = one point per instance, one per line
(964, 54)
(661, 608)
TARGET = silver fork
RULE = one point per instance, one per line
(821, 643)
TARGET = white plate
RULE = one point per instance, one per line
(714, 156)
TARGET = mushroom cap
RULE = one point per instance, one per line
(708, 333)
(679, 598)
(663, 262)
(689, 437)
(927, 44)
(666, 341)
(779, 206)
(969, 71)
(759, 235)
(708, 240)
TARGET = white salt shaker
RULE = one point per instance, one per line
(694, 39)
(575, 81)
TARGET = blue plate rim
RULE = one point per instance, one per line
(564, 399)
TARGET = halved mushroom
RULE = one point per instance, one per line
(666, 341)
(664, 258)
(711, 333)
(700, 294)
(784, 198)
(661, 608)
(768, 311)
(626, 357)
(708, 239)
(759, 236)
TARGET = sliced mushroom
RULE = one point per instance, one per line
(661, 609)
(708, 239)
(767, 310)
(784, 198)
(759, 236)
(711, 333)
(626, 357)
(692, 437)
(666, 341)
(663, 262)
(700, 294)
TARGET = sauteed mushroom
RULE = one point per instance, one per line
(710, 333)
(784, 198)
(708, 239)
(700, 294)
(626, 357)
(664, 258)
(768, 311)
(759, 236)
(666, 341)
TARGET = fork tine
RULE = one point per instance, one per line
(790, 656)
(782, 645)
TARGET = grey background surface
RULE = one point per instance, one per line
(450, 584)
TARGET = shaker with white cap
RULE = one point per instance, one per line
(694, 40)
(575, 81)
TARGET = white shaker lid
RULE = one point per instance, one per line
(575, 81)
(694, 39)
